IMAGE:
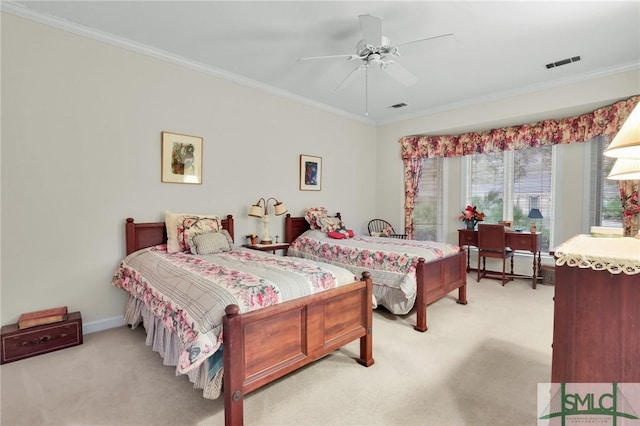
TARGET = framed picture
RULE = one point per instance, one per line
(310, 173)
(181, 158)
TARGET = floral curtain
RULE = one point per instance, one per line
(603, 121)
(630, 207)
(412, 175)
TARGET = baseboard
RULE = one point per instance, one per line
(101, 325)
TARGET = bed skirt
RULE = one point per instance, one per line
(394, 299)
(169, 347)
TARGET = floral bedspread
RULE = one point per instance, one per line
(391, 261)
(190, 292)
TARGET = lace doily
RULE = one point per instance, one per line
(615, 255)
(601, 264)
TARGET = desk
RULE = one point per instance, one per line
(525, 241)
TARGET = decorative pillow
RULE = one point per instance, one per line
(312, 214)
(339, 235)
(192, 226)
(211, 242)
(173, 223)
(328, 224)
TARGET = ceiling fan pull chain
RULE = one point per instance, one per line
(366, 92)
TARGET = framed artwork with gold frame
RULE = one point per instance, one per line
(181, 158)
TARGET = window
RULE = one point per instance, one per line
(605, 207)
(427, 217)
(507, 185)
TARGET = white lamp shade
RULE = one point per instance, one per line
(279, 208)
(255, 210)
(626, 143)
(625, 169)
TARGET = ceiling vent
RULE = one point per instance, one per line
(563, 62)
(400, 105)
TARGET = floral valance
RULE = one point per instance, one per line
(603, 121)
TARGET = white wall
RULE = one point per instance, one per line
(560, 102)
(81, 124)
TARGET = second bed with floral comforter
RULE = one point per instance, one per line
(390, 261)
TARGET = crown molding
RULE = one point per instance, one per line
(17, 9)
(512, 93)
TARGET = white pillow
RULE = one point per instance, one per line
(173, 223)
(328, 224)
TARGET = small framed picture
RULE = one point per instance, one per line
(181, 158)
(310, 173)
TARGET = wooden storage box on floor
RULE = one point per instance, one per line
(18, 344)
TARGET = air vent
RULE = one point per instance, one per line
(400, 105)
(563, 62)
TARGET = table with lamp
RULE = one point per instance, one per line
(260, 210)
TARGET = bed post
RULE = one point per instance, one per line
(233, 376)
(421, 297)
(230, 226)
(288, 228)
(130, 233)
(366, 341)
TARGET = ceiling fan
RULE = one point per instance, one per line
(376, 49)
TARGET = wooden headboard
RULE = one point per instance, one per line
(296, 226)
(143, 235)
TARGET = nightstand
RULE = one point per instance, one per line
(268, 247)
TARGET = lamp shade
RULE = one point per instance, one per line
(625, 169)
(279, 208)
(535, 214)
(626, 143)
(255, 210)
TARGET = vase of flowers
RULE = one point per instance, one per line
(471, 216)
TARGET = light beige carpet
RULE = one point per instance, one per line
(477, 364)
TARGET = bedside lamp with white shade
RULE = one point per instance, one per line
(259, 209)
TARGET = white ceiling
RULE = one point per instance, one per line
(499, 49)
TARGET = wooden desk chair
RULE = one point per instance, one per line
(491, 243)
(379, 225)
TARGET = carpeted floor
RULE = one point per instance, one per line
(477, 364)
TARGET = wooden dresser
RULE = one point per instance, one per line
(596, 329)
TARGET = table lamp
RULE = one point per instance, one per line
(533, 215)
(259, 209)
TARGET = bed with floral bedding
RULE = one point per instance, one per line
(207, 311)
(405, 273)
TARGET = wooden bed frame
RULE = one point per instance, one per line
(306, 329)
(434, 279)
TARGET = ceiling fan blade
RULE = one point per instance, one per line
(351, 77)
(371, 29)
(312, 58)
(401, 74)
(423, 40)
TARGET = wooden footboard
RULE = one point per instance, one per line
(435, 280)
(263, 345)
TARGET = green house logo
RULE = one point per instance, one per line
(588, 403)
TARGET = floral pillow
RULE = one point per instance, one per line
(312, 214)
(173, 223)
(192, 226)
